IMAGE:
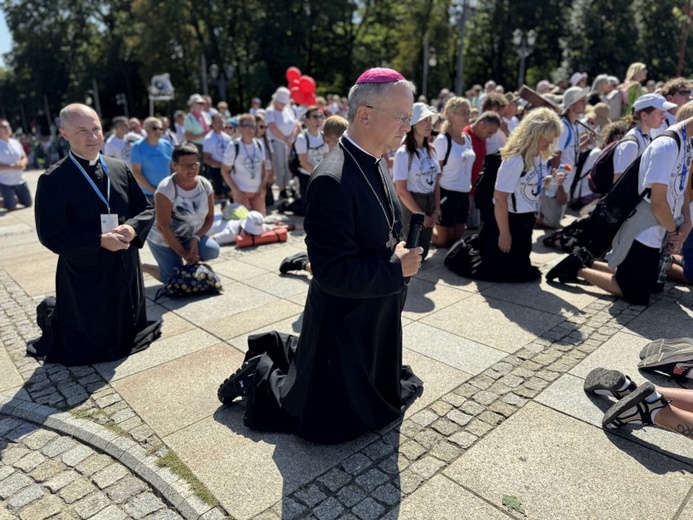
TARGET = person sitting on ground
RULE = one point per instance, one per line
(647, 404)
(662, 220)
(416, 172)
(184, 204)
(456, 156)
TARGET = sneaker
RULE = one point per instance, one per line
(634, 408)
(566, 270)
(238, 383)
(674, 358)
(601, 381)
(293, 263)
(665, 346)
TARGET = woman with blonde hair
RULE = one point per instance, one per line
(456, 157)
(506, 241)
(632, 87)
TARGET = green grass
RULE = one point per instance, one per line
(177, 466)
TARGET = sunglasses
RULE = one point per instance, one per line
(248, 126)
(157, 128)
(686, 93)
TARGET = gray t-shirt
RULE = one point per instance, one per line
(190, 208)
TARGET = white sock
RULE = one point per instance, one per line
(625, 385)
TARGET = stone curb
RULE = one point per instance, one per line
(169, 485)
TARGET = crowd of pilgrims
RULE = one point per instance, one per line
(452, 144)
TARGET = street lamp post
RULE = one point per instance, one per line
(524, 45)
(463, 10)
(429, 60)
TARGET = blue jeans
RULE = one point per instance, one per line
(10, 195)
(168, 259)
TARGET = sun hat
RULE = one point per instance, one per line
(195, 98)
(254, 223)
(421, 111)
(283, 95)
(652, 101)
(577, 77)
(573, 95)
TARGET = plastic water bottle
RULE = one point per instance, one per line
(552, 188)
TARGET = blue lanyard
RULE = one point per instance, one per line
(684, 168)
(105, 200)
(539, 170)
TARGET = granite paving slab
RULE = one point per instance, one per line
(248, 321)
(498, 324)
(442, 498)
(34, 273)
(161, 351)
(664, 319)
(237, 270)
(425, 297)
(439, 274)
(290, 325)
(566, 395)
(250, 471)
(544, 458)
(180, 392)
(453, 350)
(236, 298)
(269, 257)
(281, 286)
(173, 324)
(9, 376)
(687, 510)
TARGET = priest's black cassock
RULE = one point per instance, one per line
(344, 375)
(100, 310)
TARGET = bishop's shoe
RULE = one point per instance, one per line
(238, 383)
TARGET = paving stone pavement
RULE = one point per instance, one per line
(79, 442)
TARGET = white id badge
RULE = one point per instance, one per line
(108, 222)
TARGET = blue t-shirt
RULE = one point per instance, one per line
(155, 161)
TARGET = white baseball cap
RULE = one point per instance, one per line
(421, 111)
(573, 95)
(652, 101)
(254, 223)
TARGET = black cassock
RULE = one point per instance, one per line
(100, 305)
(344, 375)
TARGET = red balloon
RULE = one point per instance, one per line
(292, 73)
(297, 95)
(309, 99)
(294, 83)
(307, 84)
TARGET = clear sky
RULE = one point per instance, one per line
(5, 39)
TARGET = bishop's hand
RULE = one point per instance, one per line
(410, 259)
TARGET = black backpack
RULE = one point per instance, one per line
(294, 161)
(601, 178)
(624, 196)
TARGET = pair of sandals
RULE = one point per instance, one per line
(635, 403)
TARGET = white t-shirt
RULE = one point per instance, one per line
(216, 144)
(421, 175)
(246, 169)
(512, 123)
(190, 208)
(663, 163)
(284, 119)
(11, 152)
(496, 142)
(315, 147)
(457, 173)
(524, 187)
(569, 145)
(625, 153)
(121, 148)
(583, 188)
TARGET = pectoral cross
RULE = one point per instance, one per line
(392, 241)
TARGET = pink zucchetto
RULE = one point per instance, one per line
(379, 75)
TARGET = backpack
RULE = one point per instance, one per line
(191, 280)
(624, 196)
(294, 161)
(601, 178)
(448, 137)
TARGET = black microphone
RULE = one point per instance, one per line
(415, 226)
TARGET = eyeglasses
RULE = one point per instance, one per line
(317, 116)
(156, 128)
(686, 93)
(228, 127)
(249, 126)
(403, 118)
(262, 127)
(188, 166)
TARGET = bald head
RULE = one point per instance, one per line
(80, 126)
(70, 113)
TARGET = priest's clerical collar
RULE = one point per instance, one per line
(346, 136)
(91, 162)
